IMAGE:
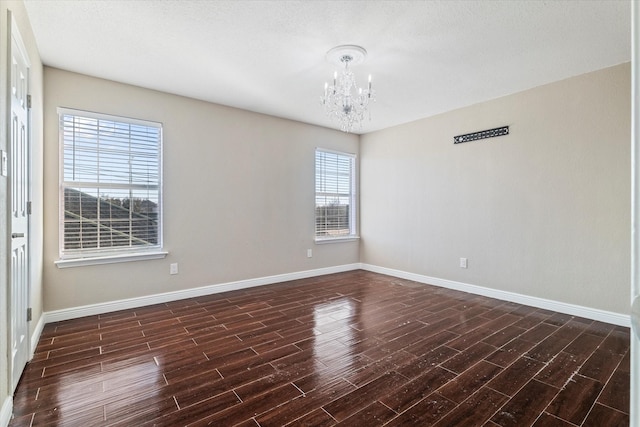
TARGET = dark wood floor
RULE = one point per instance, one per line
(356, 348)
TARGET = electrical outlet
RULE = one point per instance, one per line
(173, 268)
(309, 253)
(463, 263)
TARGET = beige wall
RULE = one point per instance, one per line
(36, 231)
(544, 211)
(238, 194)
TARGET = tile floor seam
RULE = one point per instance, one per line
(604, 386)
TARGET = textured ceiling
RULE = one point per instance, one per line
(426, 57)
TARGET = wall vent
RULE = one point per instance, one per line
(483, 134)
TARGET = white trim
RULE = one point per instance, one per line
(354, 208)
(322, 241)
(6, 411)
(561, 307)
(35, 337)
(111, 259)
(634, 392)
(64, 184)
(93, 309)
(342, 153)
(102, 116)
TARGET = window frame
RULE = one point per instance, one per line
(80, 257)
(353, 199)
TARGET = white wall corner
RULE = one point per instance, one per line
(6, 411)
(560, 307)
(124, 304)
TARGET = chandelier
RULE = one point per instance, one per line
(344, 101)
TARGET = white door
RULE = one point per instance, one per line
(19, 153)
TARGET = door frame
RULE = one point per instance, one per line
(634, 411)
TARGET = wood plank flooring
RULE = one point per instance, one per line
(349, 349)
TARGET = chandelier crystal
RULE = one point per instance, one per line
(344, 101)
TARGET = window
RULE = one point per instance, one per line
(335, 195)
(110, 192)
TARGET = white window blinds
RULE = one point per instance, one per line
(110, 184)
(335, 195)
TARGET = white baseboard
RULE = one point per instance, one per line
(94, 309)
(561, 307)
(6, 411)
(35, 337)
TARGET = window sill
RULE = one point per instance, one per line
(110, 259)
(337, 240)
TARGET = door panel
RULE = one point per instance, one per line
(19, 216)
